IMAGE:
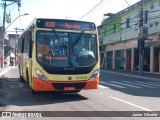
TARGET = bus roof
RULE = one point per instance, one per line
(66, 24)
(62, 24)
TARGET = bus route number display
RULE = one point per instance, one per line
(65, 24)
(50, 24)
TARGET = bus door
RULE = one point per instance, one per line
(24, 58)
(21, 57)
(29, 60)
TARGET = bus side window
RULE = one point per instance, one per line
(22, 46)
(25, 46)
(30, 44)
(19, 46)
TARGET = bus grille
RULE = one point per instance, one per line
(61, 86)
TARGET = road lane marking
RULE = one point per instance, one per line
(147, 83)
(101, 86)
(130, 103)
(125, 84)
(156, 83)
(110, 84)
(139, 84)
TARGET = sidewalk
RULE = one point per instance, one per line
(3, 69)
(145, 76)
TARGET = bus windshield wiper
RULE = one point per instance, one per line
(78, 38)
(57, 35)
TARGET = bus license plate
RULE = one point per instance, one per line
(69, 88)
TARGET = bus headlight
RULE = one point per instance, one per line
(94, 75)
(41, 75)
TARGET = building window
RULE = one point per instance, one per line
(152, 6)
(127, 23)
(156, 23)
(115, 28)
(146, 17)
(105, 32)
(151, 25)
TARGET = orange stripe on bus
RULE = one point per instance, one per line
(40, 85)
(92, 84)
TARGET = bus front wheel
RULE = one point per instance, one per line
(34, 92)
(21, 79)
(75, 91)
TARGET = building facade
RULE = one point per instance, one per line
(7, 49)
(12, 40)
(120, 33)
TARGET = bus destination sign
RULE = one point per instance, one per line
(65, 24)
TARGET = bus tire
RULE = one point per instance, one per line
(34, 92)
(21, 79)
(27, 78)
(75, 91)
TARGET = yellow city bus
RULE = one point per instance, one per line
(59, 55)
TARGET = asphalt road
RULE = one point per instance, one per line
(116, 93)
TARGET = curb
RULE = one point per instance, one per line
(133, 76)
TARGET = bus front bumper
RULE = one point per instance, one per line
(40, 85)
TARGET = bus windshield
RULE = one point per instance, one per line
(66, 49)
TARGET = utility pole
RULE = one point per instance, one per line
(3, 35)
(141, 41)
(15, 47)
(3, 28)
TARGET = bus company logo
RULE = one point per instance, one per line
(6, 114)
(69, 78)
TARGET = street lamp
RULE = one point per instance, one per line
(15, 20)
(3, 35)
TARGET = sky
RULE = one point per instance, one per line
(62, 9)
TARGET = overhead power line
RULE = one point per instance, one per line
(91, 9)
(100, 7)
(127, 3)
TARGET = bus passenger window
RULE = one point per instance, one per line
(22, 46)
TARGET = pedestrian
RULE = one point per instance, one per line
(11, 63)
